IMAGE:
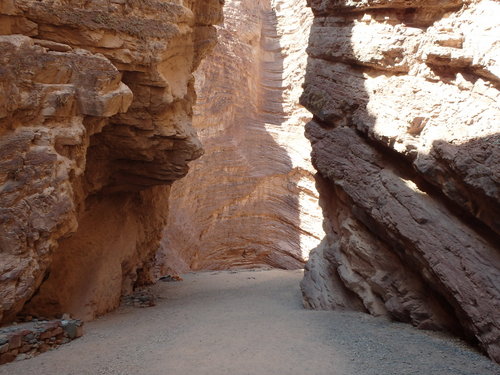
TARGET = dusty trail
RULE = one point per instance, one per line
(250, 323)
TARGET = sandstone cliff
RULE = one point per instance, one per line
(406, 141)
(250, 200)
(95, 124)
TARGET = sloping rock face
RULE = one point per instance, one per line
(250, 201)
(406, 139)
(95, 124)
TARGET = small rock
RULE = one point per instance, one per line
(73, 328)
(25, 348)
(7, 357)
(15, 341)
(169, 278)
(43, 348)
(29, 337)
(22, 357)
(4, 348)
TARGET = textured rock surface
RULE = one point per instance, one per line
(28, 339)
(406, 140)
(95, 115)
(250, 200)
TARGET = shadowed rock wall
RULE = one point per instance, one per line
(250, 200)
(95, 124)
(405, 97)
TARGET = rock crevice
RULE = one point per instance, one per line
(250, 200)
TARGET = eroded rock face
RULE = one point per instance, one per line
(46, 94)
(250, 200)
(95, 124)
(406, 142)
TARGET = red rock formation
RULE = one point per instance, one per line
(95, 123)
(250, 200)
(406, 141)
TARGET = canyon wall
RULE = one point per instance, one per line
(95, 124)
(406, 139)
(251, 200)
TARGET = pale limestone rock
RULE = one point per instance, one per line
(406, 140)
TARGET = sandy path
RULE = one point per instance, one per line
(250, 323)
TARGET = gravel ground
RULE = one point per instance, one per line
(250, 322)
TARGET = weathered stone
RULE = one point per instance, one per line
(28, 337)
(25, 348)
(95, 111)
(72, 328)
(4, 348)
(44, 347)
(50, 333)
(7, 357)
(15, 341)
(405, 140)
(250, 200)
(22, 357)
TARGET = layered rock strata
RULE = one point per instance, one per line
(406, 139)
(95, 124)
(250, 201)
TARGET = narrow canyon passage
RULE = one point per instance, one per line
(253, 323)
(251, 199)
(356, 140)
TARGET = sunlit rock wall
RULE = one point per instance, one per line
(95, 124)
(250, 200)
(406, 138)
